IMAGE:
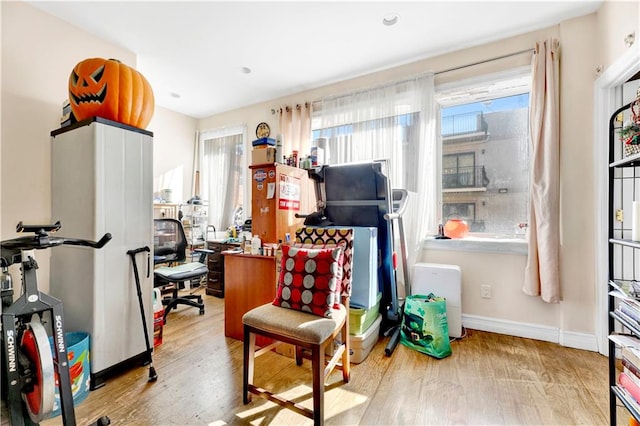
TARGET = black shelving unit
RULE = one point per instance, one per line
(624, 253)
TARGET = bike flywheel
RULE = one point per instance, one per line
(34, 344)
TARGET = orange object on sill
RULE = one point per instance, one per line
(456, 228)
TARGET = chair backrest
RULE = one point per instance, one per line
(169, 240)
(313, 236)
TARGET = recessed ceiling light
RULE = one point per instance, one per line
(174, 95)
(390, 19)
(245, 70)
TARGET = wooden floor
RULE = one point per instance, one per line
(490, 379)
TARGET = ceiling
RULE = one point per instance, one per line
(193, 53)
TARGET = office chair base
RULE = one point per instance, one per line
(190, 300)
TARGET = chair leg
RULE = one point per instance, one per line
(317, 369)
(249, 347)
(346, 361)
(298, 352)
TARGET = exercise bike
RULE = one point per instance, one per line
(30, 367)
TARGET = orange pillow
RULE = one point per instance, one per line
(310, 279)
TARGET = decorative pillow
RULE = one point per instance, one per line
(314, 237)
(332, 245)
(309, 280)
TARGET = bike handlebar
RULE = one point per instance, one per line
(94, 244)
(10, 249)
(39, 242)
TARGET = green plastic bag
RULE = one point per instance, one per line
(424, 325)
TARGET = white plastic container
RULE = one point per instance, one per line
(279, 148)
(444, 281)
(361, 344)
(256, 244)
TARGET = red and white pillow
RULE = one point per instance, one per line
(313, 237)
(310, 279)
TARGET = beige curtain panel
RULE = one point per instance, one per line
(295, 127)
(542, 273)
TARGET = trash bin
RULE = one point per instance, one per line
(79, 369)
(158, 317)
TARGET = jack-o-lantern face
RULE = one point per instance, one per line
(109, 89)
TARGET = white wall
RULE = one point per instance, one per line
(173, 141)
(615, 20)
(38, 53)
(36, 63)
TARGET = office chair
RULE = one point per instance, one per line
(285, 320)
(170, 246)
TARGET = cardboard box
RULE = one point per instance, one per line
(263, 155)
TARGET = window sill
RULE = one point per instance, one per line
(477, 244)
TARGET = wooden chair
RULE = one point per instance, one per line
(309, 333)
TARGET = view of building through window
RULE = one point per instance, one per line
(485, 165)
(485, 152)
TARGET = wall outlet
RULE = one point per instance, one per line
(485, 291)
(620, 215)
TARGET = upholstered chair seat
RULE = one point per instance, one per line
(293, 324)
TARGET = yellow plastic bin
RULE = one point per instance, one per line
(360, 319)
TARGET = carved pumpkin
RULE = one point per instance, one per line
(110, 89)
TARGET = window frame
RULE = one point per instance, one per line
(478, 93)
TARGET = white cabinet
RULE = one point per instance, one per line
(102, 181)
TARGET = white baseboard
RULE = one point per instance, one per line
(532, 331)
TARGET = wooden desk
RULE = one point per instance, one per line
(249, 281)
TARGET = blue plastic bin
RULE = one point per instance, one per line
(79, 368)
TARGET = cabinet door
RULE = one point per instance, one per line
(249, 282)
(273, 212)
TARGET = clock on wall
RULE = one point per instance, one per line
(263, 130)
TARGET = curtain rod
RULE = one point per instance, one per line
(288, 108)
(508, 55)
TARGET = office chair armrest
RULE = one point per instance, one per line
(207, 251)
(203, 254)
(158, 259)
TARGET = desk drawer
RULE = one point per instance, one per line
(215, 264)
(215, 284)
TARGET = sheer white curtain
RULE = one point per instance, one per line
(398, 122)
(220, 167)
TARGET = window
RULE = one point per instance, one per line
(395, 122)
(485, 156)
(355, 142)
(223, 173)
(458, 170)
